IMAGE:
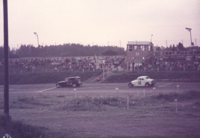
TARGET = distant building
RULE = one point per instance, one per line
(138, 50)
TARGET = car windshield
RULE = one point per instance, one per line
(147, 78)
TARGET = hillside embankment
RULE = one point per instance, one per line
(45, 77)
(53, 77)
(159, 76)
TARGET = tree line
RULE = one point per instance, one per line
(64, 50)
(178, 47)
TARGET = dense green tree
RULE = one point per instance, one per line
(180, 46)
(1, 53)
(158, 48)
(11, 53)
(109, 53)
(66, 50)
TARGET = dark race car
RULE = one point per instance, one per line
(70, 82)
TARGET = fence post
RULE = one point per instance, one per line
(177, 88)
(75, 93)
(154, 89)
(117, 90)
(127, 103)
(175, 100)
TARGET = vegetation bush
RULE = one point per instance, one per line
(18, 129)
(82, 104)
(185, 96)
(95, 104)
(101, 103)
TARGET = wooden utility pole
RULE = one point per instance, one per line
(6, 66)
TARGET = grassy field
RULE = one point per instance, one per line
(108, 116)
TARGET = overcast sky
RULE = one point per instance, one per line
(101, 22)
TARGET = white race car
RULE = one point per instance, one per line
(142, 81)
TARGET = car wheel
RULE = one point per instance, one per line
(58, 85)
(130, 85)
(74, 85)
(147, 85)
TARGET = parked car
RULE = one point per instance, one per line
(142, 81)
(98, 79)
(70, 82)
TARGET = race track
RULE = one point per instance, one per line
(102, 88)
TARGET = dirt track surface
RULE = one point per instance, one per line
(146, 120)
(101, 88)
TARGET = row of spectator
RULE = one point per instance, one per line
(65, 63)
(115, 63)
(168, 63)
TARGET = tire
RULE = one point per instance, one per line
(130, 85)
(147, 85)
(74, 85)
(58, 85)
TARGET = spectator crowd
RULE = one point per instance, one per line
(89, 63)
(92, 63)
(188, 63)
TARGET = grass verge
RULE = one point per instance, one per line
(45, 77)
(129, 76)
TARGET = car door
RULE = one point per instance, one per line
(142, 82)
(69, 82)
(139, 82)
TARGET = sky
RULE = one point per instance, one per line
(101, 22)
